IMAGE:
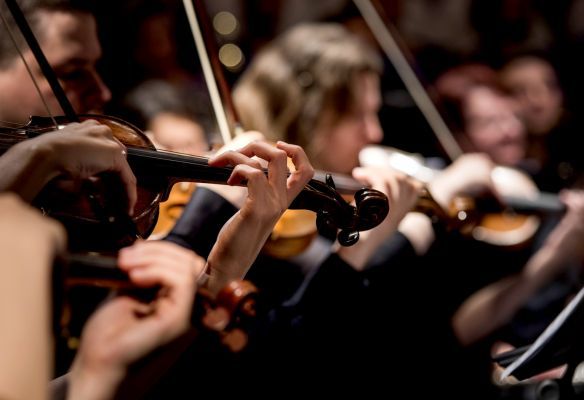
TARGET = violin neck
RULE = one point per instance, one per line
(179, 167)
(544, 203)
(343, 184)
(176, 167)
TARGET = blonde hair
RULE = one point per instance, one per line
(299, 77)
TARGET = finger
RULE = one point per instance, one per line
(277, 161)
(241, 140)
(172, 256)
(304, 170)
(178, 289)
(157, 274)
(255, 179)
(95, 129)
(362, 175)
(233, 158)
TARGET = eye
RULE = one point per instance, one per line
(74, 75)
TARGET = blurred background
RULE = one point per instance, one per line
(151, 40)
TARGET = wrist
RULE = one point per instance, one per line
(93, 383)
(44, 153)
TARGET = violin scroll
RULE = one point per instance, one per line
(334, 214)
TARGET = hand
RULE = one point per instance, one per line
(82, 150)
(124, 329)
(78, 151)
(470, 174)
(243, 236)
(402, 193)
(236, 195)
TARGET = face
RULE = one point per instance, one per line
(70, 43)
(492, 127)
(156, 50)
(337, 143)
(534, 84)
(175, 133)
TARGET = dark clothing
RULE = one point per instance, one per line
(352, 326)
(564, 165)
(200, 222)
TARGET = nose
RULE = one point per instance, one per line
(373, 131)
(97, 93)
(105, 93)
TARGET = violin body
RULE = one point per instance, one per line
(172, 208)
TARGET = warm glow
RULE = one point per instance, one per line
(225, 23)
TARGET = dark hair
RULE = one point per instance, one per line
(31, 9)
(453, 85)
(153, 97)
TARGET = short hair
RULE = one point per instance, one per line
(31, 9)
(453, 86)
(303, 73)
(153, 97)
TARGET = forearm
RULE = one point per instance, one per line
(237, 247)
(495, 305)
(88, 384)
(26, 169)
(24, 310)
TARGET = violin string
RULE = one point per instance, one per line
(34, 81)
(9, 124)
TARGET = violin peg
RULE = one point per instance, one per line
(347, 238)
(330, 181)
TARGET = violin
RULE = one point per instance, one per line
(296, 229)
(228, 314)
(100, 225)
(511, 224)
(171, 209)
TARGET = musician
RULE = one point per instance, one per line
(74, 42)
(67, 33)
(317, 85)
(105, 355)
(524, 301)
(293, 90)
(553, 130)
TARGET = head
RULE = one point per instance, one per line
(533, 82)
(483, 116)
(177, 118)
(155, 43)
(316, 86)
(67, 34)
